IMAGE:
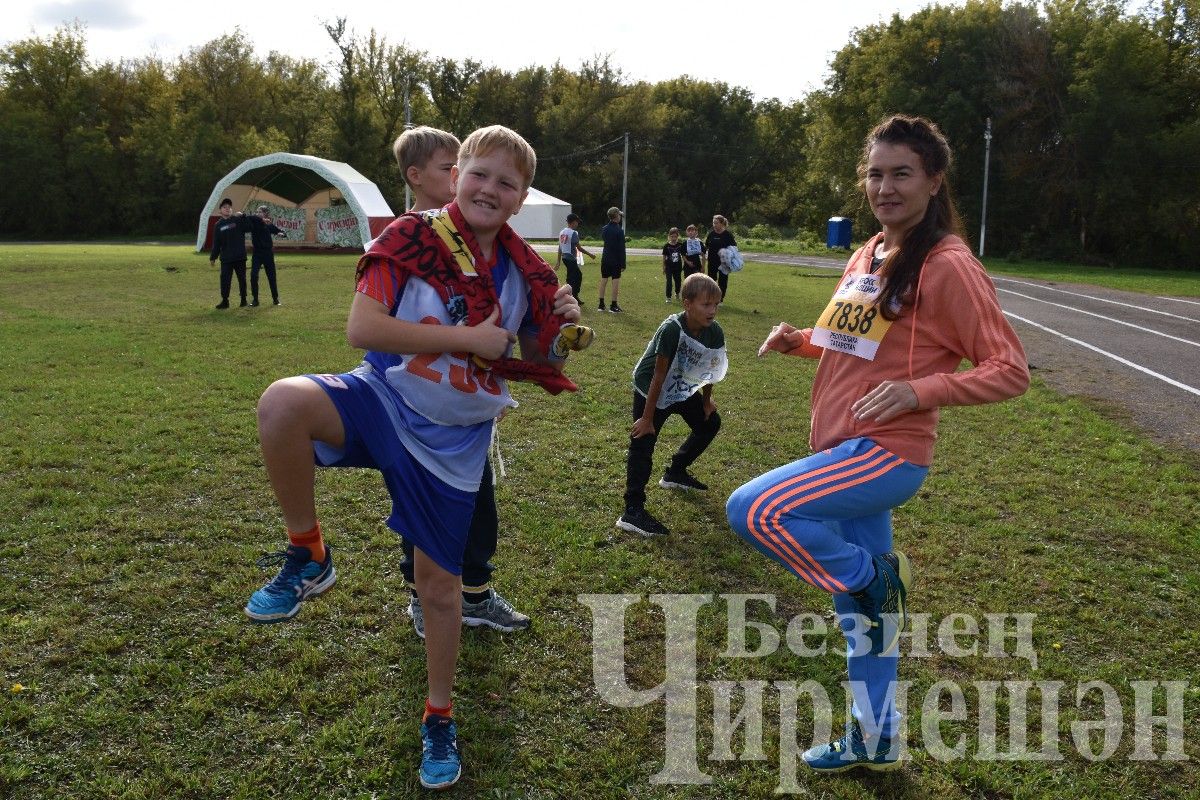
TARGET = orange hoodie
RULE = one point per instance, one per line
(956, 316)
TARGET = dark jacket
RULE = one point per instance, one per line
(262, 233)
(229, 240)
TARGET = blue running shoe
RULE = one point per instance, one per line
(852, 751)
(882, 601)
(440, 763)
(300, 578)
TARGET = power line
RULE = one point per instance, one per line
(576, 154)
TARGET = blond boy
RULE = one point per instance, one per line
(438, 325)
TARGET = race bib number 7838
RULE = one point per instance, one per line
(851, 323)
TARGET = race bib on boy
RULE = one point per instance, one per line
(851, 323)
(694, 366)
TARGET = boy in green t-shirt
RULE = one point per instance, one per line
(675, 375)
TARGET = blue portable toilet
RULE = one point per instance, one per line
(839, 232)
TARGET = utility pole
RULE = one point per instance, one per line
(625, 183)
(407, 124)
(987, 157)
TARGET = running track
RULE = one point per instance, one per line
(1139, 352)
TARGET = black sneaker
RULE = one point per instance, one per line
(223, 304)
(681, 480)
(254, 303)
(614, 308)
(638, 520)
(602, 308)
(275, 301)
(244, 304)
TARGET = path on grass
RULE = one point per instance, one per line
(1138, 353)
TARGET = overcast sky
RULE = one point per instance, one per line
(775, 49)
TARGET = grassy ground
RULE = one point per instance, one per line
(133, 503)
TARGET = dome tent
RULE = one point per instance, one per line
(315, 201)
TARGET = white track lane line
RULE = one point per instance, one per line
(1093, 297)
(1101, 316)
(1178, 300)
(1113, 356)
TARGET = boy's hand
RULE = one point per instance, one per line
(643, 427)
(491, 341)
(709, 407)
(778, 339)
(565, 304)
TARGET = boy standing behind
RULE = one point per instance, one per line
(612, 259)
(438, 295)
(426, 158)
(568, 244)
(675, 376)
(672, 254)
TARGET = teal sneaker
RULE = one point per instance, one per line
(882, 601)
(299, 579)
(852, 751)
(440, 763)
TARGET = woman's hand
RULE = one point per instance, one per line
(777, 339)
(565, 304)
(886, 401)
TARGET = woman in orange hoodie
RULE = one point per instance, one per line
(911, 305)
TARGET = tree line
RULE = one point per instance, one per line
(1095, 117)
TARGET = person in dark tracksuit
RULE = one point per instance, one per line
(229, 244)
(262, 232)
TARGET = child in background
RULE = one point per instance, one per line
(568, 246)
(675, 375)
(229, 245)
(612, 258)
(672, 254)
(262, 231)
(441, 299)
(694, 252)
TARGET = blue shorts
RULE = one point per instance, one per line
(426, 511)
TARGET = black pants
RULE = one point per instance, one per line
(641, 450)
(265, 261)
(574, 275)
(228, 269)
(674, 275)
(721, 278)
(481, 538)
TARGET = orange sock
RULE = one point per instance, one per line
(448, 711)
(310, 539)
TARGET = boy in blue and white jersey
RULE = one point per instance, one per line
(441, 298)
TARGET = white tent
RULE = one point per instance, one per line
(542, 216)
(316, 201)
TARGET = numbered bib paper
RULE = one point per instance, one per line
(694, 366)
(851, 323)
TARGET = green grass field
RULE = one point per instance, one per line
(133, 504)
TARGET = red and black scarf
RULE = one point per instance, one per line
(411, 245)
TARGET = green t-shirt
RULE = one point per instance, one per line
(666, 341)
